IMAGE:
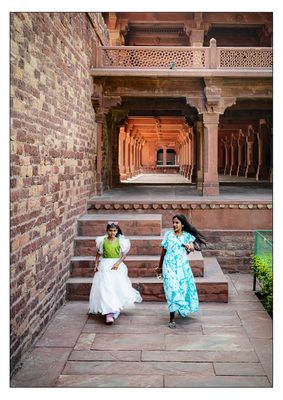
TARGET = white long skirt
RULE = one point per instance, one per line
(112, 290)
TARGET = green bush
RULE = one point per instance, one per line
(262, 268)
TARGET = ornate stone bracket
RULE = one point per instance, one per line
(211, 102)
(102, 104)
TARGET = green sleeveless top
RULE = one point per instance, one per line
(111, 249)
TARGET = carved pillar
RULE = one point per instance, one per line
(102, 104)
(190, 156)
(194, 155)
(122, 148)
(199, 152)
(262, 137)
(211, 105)
(164, 155)
(210, 186)
(227, 154)
(250, 139)
(115, 119)
(241, 153)
(127, 155)
(196, 37)
(139, 156)
(234, 158)
(98, 172)
(130, 173)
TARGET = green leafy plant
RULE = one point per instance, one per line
(262, 269)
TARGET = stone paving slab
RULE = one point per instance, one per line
(238, 369)
(216, 381)
(85, 341)
(221, 320)
(41, 368)
(73, 308)
(116, 381)
(129, 342)
(143, 328)
(218, 330)
(200, 356)
(63, 331)
(207, 342)
(263, 348)
(247, 305)
(111, 355)
(137, 368)
(257, 324)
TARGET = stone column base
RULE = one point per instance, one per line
(250, 172)
(241, 170)
(261, 173)
(210, 188)
(98, 188)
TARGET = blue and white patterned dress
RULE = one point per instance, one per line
(178, 280)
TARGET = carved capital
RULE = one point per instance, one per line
(210, 118)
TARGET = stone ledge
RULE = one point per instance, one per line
(170, 205)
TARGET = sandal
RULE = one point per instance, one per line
(172, 324)
(109, 319)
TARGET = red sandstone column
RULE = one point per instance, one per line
(127, 155)
(227, 163)
(250, 169)
(241, 144)
(194, 149)
(234, 159)
(139, 156)
(130, 155)
(199, 130)
(261, 172)
(164, 155)
(98, 175)
(210, 186)
(122, 166)
(190, 156)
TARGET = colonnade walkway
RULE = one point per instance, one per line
(175, 187)
(224, 345)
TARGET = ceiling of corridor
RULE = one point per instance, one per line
(166, 130)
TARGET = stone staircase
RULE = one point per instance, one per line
(145, 233)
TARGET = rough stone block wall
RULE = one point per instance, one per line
(52, 146)
(232, 248)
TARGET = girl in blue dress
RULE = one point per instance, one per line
(178, 280)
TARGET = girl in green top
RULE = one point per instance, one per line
(111, 289)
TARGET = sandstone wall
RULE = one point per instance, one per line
(52, 148)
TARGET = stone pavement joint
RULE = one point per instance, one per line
(224, 345)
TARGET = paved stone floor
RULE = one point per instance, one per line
(172, 187)
(225, 345)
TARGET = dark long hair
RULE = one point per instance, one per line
(111, 224)
(200, 239)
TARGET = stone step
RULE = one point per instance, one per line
(140, 245)
(131, 223)
(213, 287)
(138, 266)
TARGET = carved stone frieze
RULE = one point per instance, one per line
(182, 206)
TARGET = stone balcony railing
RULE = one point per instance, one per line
(156, 57)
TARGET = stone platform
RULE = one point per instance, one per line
(224, 345)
